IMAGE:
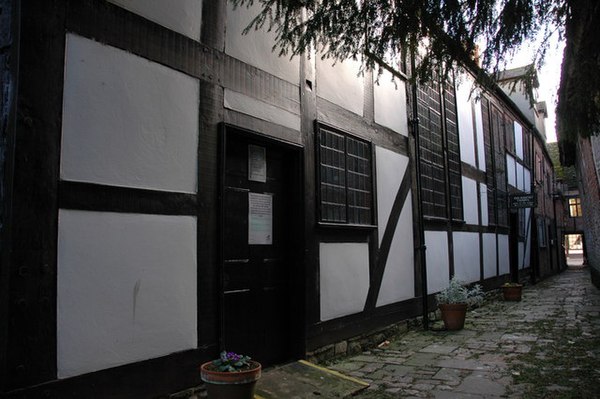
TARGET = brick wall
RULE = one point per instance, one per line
(588, 163)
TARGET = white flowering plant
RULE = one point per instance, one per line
(457, 292)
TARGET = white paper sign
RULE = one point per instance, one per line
(257, 163)
(260, 219)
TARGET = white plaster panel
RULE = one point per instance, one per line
(469, 188)
(489, 255)
(521, 254)
(261, 110)
(182, 16)
(520, 177)
(399, 276)
(390, 103)
(518, 140)
(126, 288)
(391, 168)
(127, 121)
(503, 255)
(479, 130)
(526, 180)
(528, 228)
(511, 170)
(344, 278)
(340, 83)
(484, 204)
(256, 47)
(465, 122)
(438, 268)
(466, 256)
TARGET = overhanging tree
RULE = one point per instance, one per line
(448, 33)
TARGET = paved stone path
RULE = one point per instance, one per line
(546, 346)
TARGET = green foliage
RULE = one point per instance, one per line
(231, 362)
(456, 292)
(447, 34)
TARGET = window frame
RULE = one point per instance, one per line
(348, 223)
(542, 236)
(440, 162)
(577, 206)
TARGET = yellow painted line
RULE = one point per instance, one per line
(256, 396)
(333, 372)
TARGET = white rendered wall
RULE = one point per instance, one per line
(465, 121)
(521, 246)
(391, 168)
(438, 270)
(528, 228)
(526, 180)
(469, 191)
(503, 254)
(344, 278)
(182, 16)
(479, 130)
(489, 255)
(511, 170)
(520, 177)
(518, 140)
(390, 103)
(255, 48)
(398, 277)
(126, 288)
(340, 83)
(466, 256)
(484, 204)
(127, 121)
(261, 110)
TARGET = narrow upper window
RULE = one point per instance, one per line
(440, 151)
(575, 207)
(344, 178)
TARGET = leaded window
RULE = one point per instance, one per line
(440, 154)
(345, 181)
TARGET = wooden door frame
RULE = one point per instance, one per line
(297, 276)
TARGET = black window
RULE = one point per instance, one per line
(541, 224)
(345, 181)
(494, 135)
(490, 179)
(440, 154)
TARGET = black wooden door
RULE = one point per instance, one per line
(257, 303)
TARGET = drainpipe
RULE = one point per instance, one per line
(10, 15)
(421, 246)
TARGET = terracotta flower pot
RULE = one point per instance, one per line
(512, 292)
(453, 315)
(230, 385)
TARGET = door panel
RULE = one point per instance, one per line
(256, 278)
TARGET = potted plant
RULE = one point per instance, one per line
(231, 376)
(512, 291)
(453, 302)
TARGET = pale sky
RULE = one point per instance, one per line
(549, 77)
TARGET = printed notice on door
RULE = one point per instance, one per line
(257, 163)
(260, 219)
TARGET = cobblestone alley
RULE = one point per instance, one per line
(546, 346)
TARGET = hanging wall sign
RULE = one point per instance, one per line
(260, 219)
(257, 163)
(522, 201)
